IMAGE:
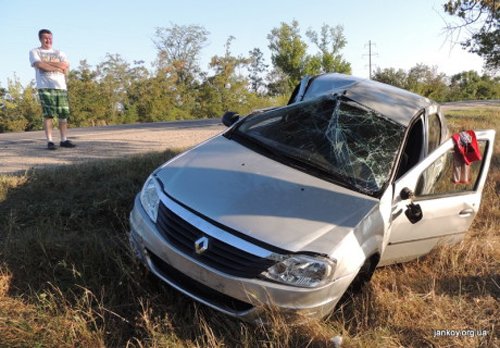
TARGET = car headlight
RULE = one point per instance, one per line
(150, 199)
(302, 270)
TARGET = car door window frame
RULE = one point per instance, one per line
(486, 148)
(417, 170)
(409, 149)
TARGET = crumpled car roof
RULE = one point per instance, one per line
(395, 103)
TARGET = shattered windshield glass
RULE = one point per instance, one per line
(332, 137)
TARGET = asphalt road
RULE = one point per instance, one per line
(23, 151)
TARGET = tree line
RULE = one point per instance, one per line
(176, 87)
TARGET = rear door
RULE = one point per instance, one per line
(448, 208)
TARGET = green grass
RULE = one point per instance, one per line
(474, 118)
(67, 278)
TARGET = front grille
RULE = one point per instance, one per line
(219, 255)
(197, 289)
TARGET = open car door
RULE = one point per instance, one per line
(440, 196)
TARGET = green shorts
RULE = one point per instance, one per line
(54, 103)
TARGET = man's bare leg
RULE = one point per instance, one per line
(63, 129)
(47, 126)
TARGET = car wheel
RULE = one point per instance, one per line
(364, 275)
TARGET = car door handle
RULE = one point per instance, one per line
(466, 212)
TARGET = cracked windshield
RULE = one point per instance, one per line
(330, 137)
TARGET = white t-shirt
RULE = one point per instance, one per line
(45, 79)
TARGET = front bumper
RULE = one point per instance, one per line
(240, 297)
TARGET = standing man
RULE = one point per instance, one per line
(51, 67)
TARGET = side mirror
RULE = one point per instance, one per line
(413, 211)
(229, 118)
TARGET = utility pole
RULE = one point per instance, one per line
(370, 54)
(370, 59)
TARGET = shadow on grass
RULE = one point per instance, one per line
(463, 286)
(64, 230)
(64, 237)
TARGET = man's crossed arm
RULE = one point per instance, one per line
(61, 67)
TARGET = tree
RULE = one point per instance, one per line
(179, 48)
(138, 76)
(30, 108)
(330, 41)
(153, 99)
(90, 105)
(420, 79)
(20, 110)
(426, 81)
(481, 19)
(391, 76)
(256, 68)
(468, 85)
(278, 84)
(226, 89)
(115, 80)
(288, 51)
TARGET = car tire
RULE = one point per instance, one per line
(364, 275)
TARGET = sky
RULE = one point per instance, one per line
(403, 32)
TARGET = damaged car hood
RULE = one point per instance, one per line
(263, 199)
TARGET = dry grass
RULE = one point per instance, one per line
(67, 278)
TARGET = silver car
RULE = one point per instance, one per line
(292, 206)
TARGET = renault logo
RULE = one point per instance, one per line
(201, 245)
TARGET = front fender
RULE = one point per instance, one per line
(360, 244)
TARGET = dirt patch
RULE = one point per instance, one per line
(23, 151)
